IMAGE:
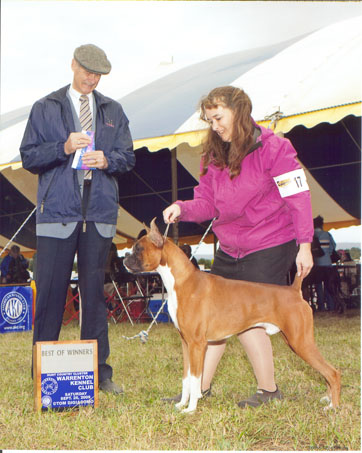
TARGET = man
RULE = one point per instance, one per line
(13, 267)
(323, 269)
(77, 209)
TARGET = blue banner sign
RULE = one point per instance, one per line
(67, 390)
(15, 308)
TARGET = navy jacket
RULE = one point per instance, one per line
(42, 152)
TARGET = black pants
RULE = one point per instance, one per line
(54, 267)
(265, 266)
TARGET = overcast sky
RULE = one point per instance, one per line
(140, 37)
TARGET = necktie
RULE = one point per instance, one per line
(85, 118)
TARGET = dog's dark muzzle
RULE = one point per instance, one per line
(133, 263)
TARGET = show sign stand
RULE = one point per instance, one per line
(65, 374)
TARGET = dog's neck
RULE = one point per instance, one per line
(175, 259)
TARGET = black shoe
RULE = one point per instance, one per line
(261, 397)
(109, 386)
(177, 398)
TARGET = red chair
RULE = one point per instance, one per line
(71, 309)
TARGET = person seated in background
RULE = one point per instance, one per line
(186, 248)
(14, 267)
(345, 257)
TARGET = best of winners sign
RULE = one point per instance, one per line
(15, 308)
(65, 374)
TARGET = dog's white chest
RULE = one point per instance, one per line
(169, 282)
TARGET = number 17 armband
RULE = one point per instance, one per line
(291, 183)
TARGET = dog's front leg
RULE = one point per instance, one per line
(186, 376)
(197, 352)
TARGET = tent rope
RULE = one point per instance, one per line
(143, 335)
(11, 240)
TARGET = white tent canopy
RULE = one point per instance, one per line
(318, 78)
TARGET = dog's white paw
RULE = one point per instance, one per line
(189, 410)
(180, 405)
(329, 407)
(325, 400)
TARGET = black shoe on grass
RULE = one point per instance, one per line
(261, 397)
(108, 386)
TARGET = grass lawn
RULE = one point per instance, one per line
(139, 420)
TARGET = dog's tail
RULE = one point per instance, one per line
(297, 284)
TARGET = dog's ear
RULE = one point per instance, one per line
(155, 235)
(146, 227)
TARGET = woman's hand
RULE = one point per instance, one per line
(304, 260)
(171, 213)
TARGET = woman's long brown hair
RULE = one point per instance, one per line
(216, 151)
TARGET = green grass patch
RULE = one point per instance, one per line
(139, 420)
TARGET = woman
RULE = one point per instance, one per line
(254, 186)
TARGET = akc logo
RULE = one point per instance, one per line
(49, 386)
(14, 307)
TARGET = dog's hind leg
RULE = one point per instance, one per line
(332, 376)
(197, 352)
(303, 344)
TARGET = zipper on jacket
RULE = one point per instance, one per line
(46, 194)
(85, 201)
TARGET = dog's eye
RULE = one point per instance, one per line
(138, 248)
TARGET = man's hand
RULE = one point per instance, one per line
(95, 159)
(76, 140)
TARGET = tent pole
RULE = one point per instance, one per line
(174, 190)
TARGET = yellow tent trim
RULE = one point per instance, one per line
(342, 224)
(193, 138)
(308, 119)
(12, 165)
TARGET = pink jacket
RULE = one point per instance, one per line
(252, 212)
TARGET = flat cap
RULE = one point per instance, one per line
(93, 59)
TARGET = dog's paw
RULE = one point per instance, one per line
(180, 405)
(189, 410)
(325, 400)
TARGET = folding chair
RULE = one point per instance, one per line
(137, 308)
(72, 305)
(135, 301)
(115, 305)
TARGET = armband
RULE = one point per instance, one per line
(291, 183)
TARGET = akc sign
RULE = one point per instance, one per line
(15, 308)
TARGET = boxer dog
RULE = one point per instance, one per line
(206, 307)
